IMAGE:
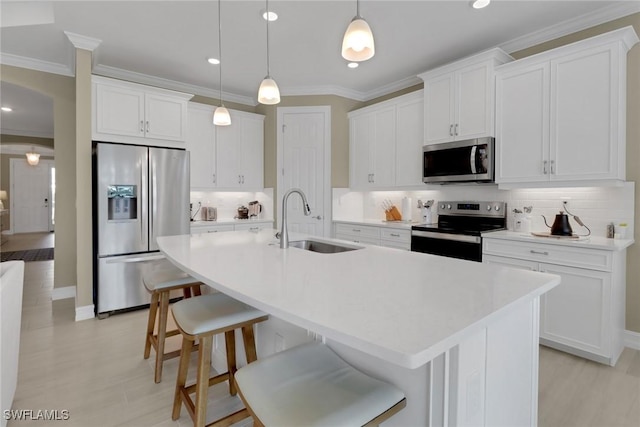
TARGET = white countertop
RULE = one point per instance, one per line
(380, 223)
(227, 221)
(588, 242)
(403, 307)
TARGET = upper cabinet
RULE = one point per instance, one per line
(385, 143)
(560, 115)
(459, 98)
(225, 157)
(134, 113)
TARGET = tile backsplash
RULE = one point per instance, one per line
(227, 203)
(596, 206)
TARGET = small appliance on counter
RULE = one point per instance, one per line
(425, 211)
(561, 226)
(255, 208)
(209, 213)
(242, 213)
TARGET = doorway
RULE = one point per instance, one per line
(32, 195)
(304, 161)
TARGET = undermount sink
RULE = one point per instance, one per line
(321, 247)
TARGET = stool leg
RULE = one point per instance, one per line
(183, 369)
(196, 290)
(186, 292)
(202, 386)
(151, 323)
(230, 343)
(249, 343)
(162, 331)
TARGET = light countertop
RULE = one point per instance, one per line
(379, 223)
(588, 242)
(227, 221)
(403, 307)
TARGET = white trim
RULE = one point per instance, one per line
(23, 149)
(63, 293)
(85, 312)
(83, 42)
(326, 110)
(36, 64)
(570, 26)
(632, 339)
(31, 133)
(324, 90)
(392, 87)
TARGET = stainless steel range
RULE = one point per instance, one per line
(458, 231)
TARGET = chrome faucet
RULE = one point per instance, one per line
(283, 235)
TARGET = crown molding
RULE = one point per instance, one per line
(31, 133)
(36, 64)
(132, 76)
(23, 149)
(393, 87)
(597, 17)
(323, 90)
(83, 42)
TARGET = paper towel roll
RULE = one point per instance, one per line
(406, 209)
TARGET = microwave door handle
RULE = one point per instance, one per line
(472, 159)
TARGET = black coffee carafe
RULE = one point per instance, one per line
(561, 226)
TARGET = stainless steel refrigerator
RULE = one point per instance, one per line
(140, 193)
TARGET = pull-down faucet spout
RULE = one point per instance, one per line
(284, 234)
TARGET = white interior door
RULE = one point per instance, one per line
(304, 161)
(31, 198)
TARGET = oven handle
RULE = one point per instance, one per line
(447, 236)
(472, 159)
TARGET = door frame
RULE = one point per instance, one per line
(323, 109)
(12, 162)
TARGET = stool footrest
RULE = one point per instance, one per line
(212, 381)
(230, 419)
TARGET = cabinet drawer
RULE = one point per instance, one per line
(252, 227)
(358, 230)
(593, 259)
(396, 235)
(358, 239)
(396, 244)
(212, 229)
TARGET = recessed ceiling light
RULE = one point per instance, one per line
(479, 4)
(7, 109)
(214, 61)
(352, 65)
(272, 15)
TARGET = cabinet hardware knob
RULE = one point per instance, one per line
(544, 167)
(553, 167)
(141, 125)
(318, 217)
(356, 230)
(455, 132)
(539, 252)
(148, 127)
(450, 130)
(394, 235)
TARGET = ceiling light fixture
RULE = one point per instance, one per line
(358, 44)
(213, 61)
(479, 4)
(352, 65)
(33, 158)
(6, 109)
(272, 16)
(221, 116)
(268, 93)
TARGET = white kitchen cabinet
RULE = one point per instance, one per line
(391, 237)
(213, 228)
(385, 143)
(248, 225)
(560, 115)
(134, 113)
(201, 144)
(251, 225)
(240, 152)
(584, 315)
(459, 98)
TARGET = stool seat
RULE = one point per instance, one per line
(166, 277)
(212, 312)
(310, 385)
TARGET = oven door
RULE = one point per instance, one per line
(459, 161)
(450, 245)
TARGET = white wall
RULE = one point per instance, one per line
(228, 202)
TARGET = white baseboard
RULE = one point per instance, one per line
(85, 312)
(63, 293)
(632, 340)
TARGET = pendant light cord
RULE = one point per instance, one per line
(220, 48)
(357, 9)
(268, 17)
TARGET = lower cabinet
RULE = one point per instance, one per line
(372, 235)
(250, 226)
(584, 315)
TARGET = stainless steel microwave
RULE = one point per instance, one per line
(471, 160)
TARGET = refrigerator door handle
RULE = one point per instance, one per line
(143, 232)
(120, 260)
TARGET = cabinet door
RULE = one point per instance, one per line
(473, 102)
(228, 142)
(201, 144)
(409, 135)
(165, 117)
(510, 262)
(383, 149)
(522, 125)
(251, 153)
(120, 111)
(361, 134)
(439, 109)
(577, 312)
(584, 115)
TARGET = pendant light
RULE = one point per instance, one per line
(268, 93)
(357, 44)
(221, 116)
(33, 158)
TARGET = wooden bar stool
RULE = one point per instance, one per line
(310, 385)
(200, 319)
(160, 282)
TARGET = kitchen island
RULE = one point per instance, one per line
(459, 338)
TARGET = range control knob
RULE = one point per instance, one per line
(442, 206)
(488, 208)
(449, 207)
(497, 208)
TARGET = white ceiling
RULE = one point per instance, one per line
(166, 43)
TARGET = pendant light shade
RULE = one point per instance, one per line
(358, 44)
(268, 93)
(33, 158)
(221, 116)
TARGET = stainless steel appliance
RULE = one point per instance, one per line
(471, 160)
(140, 193)
(458, 231)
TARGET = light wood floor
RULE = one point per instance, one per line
(95, 370)
(24, 241)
